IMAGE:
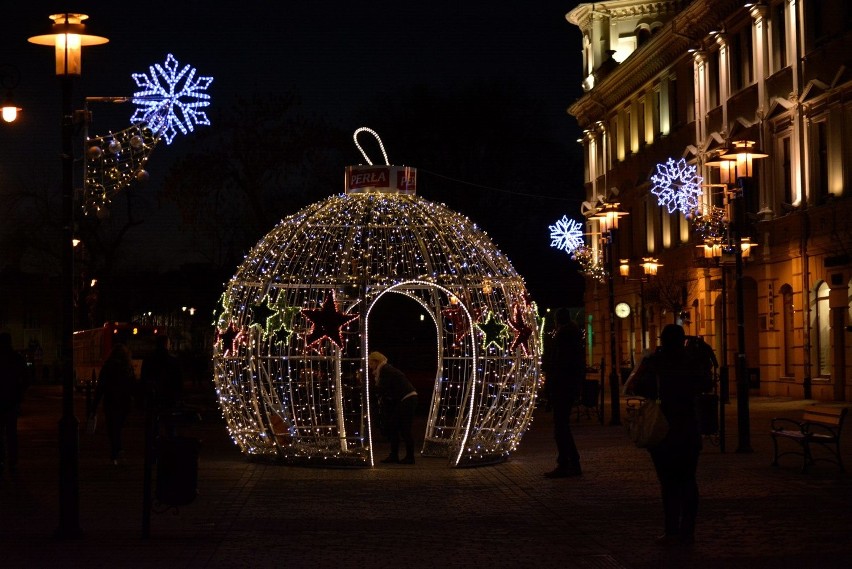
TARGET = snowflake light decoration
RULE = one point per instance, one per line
(170, 100)
(677, 186)
(566, 235)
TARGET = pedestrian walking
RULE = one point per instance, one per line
(163, 384)
(564, 366)
(13, 374)
(116, 386)
(398, 404)
(681, 375)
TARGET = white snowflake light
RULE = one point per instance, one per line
(566, 235)
(170, 100)
(677, 186)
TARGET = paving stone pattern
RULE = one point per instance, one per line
(250, 514)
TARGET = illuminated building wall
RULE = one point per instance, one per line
(689, 78)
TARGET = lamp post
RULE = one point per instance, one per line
(607, 215)
(650, 266)
(744, 153)
(68, 36)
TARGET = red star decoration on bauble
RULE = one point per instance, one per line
(230, 339)
(327, 322)
(520, 329)
(458, 321)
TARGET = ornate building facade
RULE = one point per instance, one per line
(686, 80)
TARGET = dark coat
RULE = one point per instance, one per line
(116, 387)
(682, 377)
(564, 363)
(161, 373)
(393, 385)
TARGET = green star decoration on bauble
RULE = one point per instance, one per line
(493, 331)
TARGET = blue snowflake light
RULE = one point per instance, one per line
(677, 186)
(566, 235)
(171, 100)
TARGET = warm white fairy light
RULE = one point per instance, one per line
(378, 139)
(296, 403)
(113, 162)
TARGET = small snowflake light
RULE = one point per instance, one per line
(566, 235)
(171, 99)
(677, 186)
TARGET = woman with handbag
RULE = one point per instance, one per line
(675, 376)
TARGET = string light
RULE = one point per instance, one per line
(113, 162)
(294, 399)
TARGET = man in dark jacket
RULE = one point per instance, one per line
(564, 372)
(13, 374)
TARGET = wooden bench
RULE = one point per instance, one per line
(820, 425)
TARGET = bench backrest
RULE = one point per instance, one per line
(832, 416)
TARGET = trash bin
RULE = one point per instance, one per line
(177, 470)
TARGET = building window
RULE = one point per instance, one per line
(820, 179)
(613, 142)
(821, 327)
(741, 61)
(640, 121)
(779, 37)
(674, 118)
(825, 19)
(713, 100)
(785, 169)
(787, 312)
(655, 112)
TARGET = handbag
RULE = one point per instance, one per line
(645, 422)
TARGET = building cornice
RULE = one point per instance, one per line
(684, 31)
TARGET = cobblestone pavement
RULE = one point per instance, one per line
(427, 515)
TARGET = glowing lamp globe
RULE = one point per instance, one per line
(292, 331)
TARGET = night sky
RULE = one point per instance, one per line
(341, 56)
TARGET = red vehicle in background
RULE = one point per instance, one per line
(91, 347)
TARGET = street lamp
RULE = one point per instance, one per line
(607, 216)
(68, 37)
(744, 153)
(9, 77)
(650, 266)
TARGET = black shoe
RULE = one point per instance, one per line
(392, 459)
(407, 460)
(564, 472)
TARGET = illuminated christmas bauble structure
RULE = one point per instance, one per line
(292, 332)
